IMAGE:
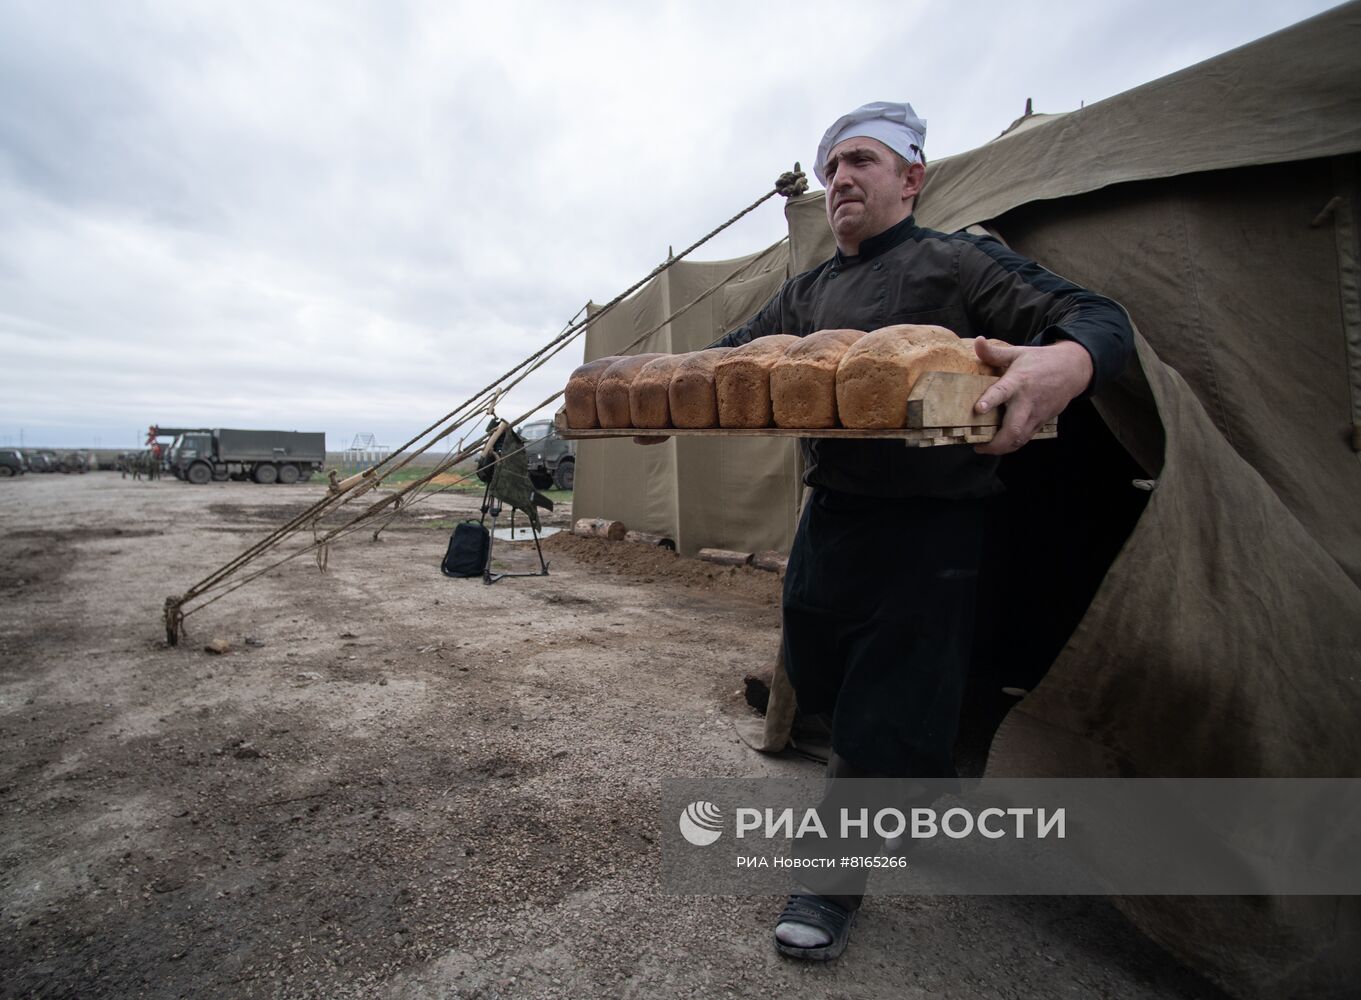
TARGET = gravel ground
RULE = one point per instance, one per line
(401, 785)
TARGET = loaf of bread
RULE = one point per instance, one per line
(877, 373)
(694, 399)
(612, 391)
(803, 381)
(742, 379)
(581, 393)
(649, 395)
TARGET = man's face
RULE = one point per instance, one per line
(866, 193)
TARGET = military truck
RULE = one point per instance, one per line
(201, 456)
(12, 463)
(43, 461)
(74, 461)
(552, 461)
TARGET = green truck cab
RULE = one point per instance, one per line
(12, 463)
(552, 461)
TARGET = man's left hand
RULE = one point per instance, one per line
(1037, 384)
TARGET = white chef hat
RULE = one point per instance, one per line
(895, 125)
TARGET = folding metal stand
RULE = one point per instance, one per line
(492, 506)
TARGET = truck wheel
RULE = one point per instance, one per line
(566, 474)
(266, 473)
(541, 480)
(199, 474)
(288, 474)
(5, 472)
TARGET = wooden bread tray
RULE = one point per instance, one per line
(939, 411)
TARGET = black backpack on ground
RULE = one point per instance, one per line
(469, 547)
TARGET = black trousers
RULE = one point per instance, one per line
(878, 625)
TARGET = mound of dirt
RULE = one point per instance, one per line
(650, 562)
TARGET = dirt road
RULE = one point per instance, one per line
(397, 784)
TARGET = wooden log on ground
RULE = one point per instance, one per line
(647, 538)
(725, 557)
(599, 527)
(770, 561)
(757, 685)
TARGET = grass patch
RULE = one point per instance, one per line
(411, 473)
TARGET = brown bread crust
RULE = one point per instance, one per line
(612, 391)
(694, 399)
(742, 379)
(876, 375)
(803, 382)
(580, 393)
(649, 395)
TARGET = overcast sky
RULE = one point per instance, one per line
(348, 216)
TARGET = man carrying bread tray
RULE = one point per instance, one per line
(878, 626)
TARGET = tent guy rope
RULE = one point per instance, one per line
(341, 493)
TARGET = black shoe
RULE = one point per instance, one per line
(815, 911)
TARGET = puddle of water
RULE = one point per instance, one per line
(523, 534)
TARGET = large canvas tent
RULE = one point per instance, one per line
(1212, 627)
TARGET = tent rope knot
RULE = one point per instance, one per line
(792, 182)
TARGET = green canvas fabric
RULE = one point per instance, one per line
(510, 475)
(1223, 642)
(1294, 95)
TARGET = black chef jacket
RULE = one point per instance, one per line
(969, 284)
